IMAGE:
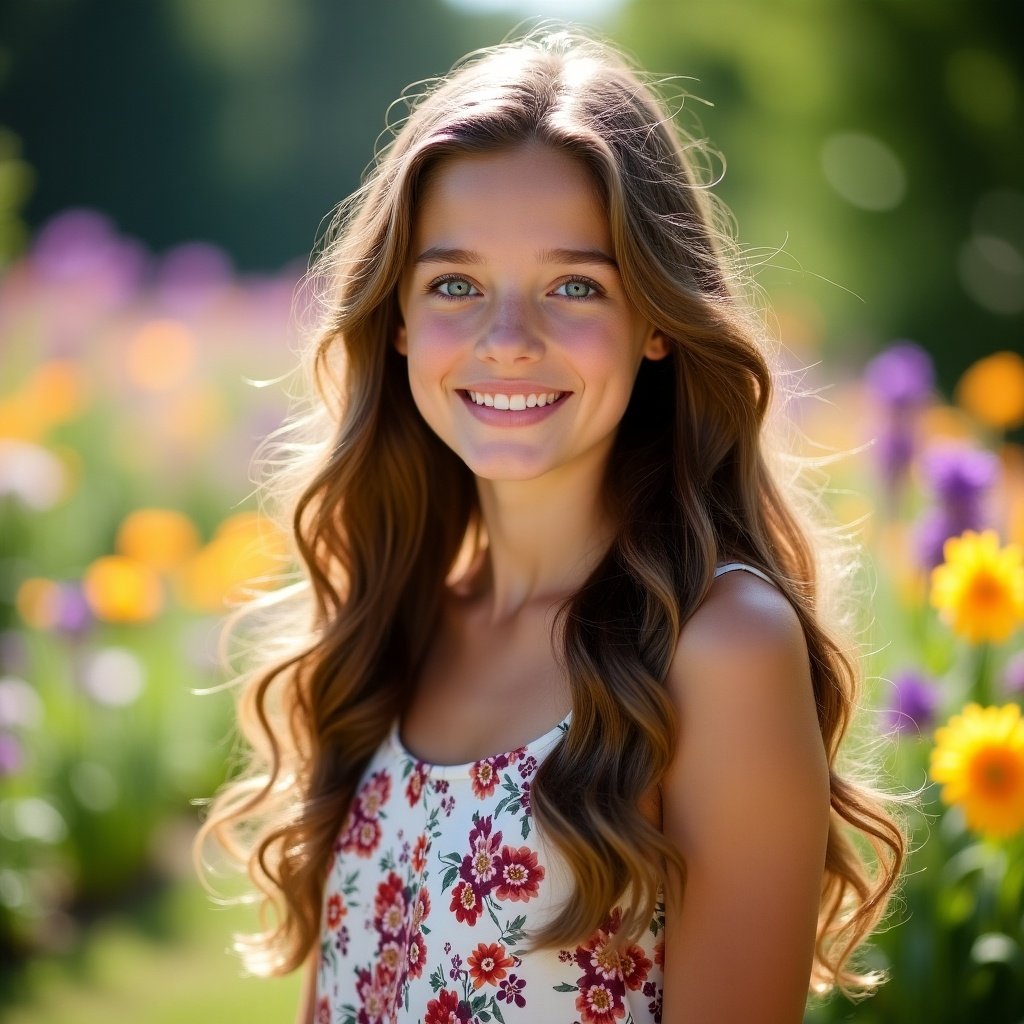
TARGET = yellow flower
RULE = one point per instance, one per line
(121, 589)
(979, 589)
(247, 554)
(160, 537)
(992, 390)
(979, 759)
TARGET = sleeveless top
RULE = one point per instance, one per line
(436, 879)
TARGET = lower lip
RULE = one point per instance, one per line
(512, 417)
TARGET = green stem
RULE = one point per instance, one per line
(982, 689)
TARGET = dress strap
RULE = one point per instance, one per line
(729, 566)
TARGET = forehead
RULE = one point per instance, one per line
(535, 195)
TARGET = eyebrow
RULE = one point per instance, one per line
(441, 254)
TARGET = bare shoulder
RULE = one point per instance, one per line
(742, 614)
(741, 677)
(745, 799)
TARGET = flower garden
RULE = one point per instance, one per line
(134, 389)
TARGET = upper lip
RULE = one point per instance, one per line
(512, 387)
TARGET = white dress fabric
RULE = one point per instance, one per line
(437, 877)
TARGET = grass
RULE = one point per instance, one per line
(164, 962)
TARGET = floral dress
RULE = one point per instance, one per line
(436, 879)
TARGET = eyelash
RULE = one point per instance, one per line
(598, 291)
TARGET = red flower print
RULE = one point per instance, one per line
(634, 967)
(488, 964)
(510, 990)
(447, 1009)
(597, 961)
(514, 755)
(389, 958)
(421, 908)
(374, 993)
(387, 891)
(480, 866)
(323, 1011)
(519, 874)
(414, 787)
(389, 906)
(419, 853)
(417, 955)
(374, 793)
(336, 910)
(659, 953)
(599, 1004)
(361, 836)
(466, 904)
(484, 778)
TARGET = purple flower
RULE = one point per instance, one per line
(73, 614)
(11, 755)
(1013, 675)
(935, 527)
(894, 450)
(191, 276)
(510, 988)
(83, 245)
(959, 476)
(901, 377)
(913, 704)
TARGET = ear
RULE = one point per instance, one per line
(657, 346)
(401, 341)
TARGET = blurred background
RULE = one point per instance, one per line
(165, 168)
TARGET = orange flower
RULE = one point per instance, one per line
(54, 393)
(160, 537)
(992, 390)
(121, 589)
(247, 553)
(488, 964)
(161, 355)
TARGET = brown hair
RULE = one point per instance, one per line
(384, 515)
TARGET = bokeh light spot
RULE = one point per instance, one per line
(161, 355)
(863, 170)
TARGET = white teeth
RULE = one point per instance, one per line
(515, 403)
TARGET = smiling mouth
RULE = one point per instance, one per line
(515, 403)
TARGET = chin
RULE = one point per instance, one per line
(496, 469)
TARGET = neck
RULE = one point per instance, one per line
(545, 536)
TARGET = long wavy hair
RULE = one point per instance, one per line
(384, 517)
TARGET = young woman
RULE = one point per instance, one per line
(538, 753)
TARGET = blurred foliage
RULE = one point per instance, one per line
(874, 142)
(240, 121)
(877, 142)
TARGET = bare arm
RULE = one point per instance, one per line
(746, 800)
(307, 999)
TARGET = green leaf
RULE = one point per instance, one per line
(564, 987)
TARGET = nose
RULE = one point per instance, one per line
(509, 336)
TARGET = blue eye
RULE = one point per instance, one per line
(452, 287)
(578, 288)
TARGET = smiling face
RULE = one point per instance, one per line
(511, 294)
